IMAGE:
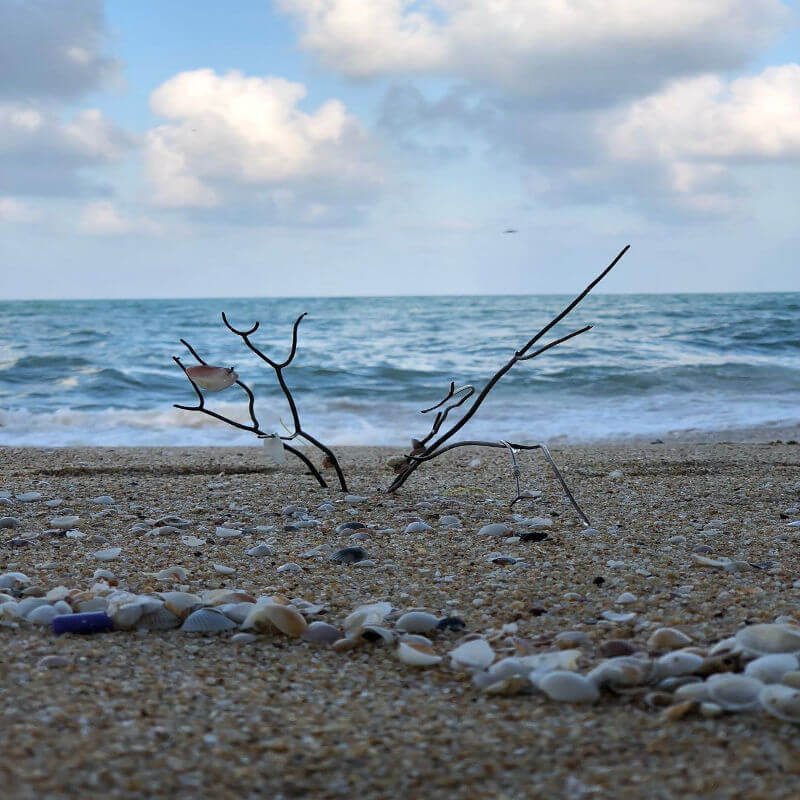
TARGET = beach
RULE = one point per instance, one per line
(154, 713)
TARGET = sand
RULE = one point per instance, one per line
(151, 714)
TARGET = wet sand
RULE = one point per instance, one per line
(151, 714)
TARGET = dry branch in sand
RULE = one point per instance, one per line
(424, 450)
(278, 366)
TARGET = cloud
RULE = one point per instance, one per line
(103, 219)
(593, 52)
(52, 50)
(233, 141)
(13, 210)
(43, 154)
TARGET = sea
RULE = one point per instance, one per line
(100, 372)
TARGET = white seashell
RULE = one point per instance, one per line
(13, 580)
(57, 593)
(10, 611)
(169, 574)
(769, 638)
(207, 620)
(64, 523)
(568, 687)
(375, 633)
(75, 534)
(274, 450)
(621, 671)
(109, 554)
(219, 597)
(693, 691)
(261, 549)
(678, 663)
(181, 604)
(42, 615)
(513, 684)
(369, 614)
(102, 500)
(237, 611)
(307, 608)
(506, 668)
(290, 567)
(781, 701)
(160, 620)
(417, 527)
(223, 570)
(212, 379)
(29, 497)
(771, 668)
(267, 617)
(417, 655)
(552, 660)
(193, 541)
(243, 638)
(62, 607)
(668, 639)
(625, 598)
(475, 654)
(93, 604)
(103, 574)
(226, 533)
(417, 622)
(614, 616)
(724, 647)
(495, 529)
(322, 633)
(734, 692)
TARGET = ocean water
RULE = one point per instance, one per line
(100, 372)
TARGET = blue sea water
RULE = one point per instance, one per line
(100, 372)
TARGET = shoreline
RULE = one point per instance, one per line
(133, 714)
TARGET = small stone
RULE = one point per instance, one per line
(29, 497)
(449, 521)
(107, 555)
(322, 633)
(568, 640)
(568, 687)
(616, 474)
(223, 570)
(613, 616)
(668, 639)
(65, 523)
(417, 622)
(354, 499)
(290, 567)
(614, 648)
(626, 598)
(102, 500)
(417, 527)
(676, 539)
(243, 638)
(350, 526)
(9, 522)
(348, 555)
(53, 662)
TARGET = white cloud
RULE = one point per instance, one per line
(595, 50)
(13, 210)
(103, 219)
(230, 135)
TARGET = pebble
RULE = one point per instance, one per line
(614, 616)
(417, 622)
(29, 497)
(290, 567)
(350, 526)
(9, 522)
(354, 499)
(625, 598)
(261, 549)
(449, 521)
(223, 570)
(102, 500)
(568, 687)
(107, 555)
(417, 527)
(53, 662)
(614, 648)
(668, 639)
(64, 523)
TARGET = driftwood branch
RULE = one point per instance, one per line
(278, 367)
(425, 450)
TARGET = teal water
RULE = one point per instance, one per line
(100, 372)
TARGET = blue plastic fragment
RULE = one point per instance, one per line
(92, 622)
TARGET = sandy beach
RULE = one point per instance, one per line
(166, 713)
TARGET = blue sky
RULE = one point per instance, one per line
(318, 147)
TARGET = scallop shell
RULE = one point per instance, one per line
(734, 692)
(207, 620)
(781, 701)
(474, 654)
(237, 611)
(769, 638)
(160, 620)
(771, 668)
(266, 617)
(568, 687)
(417, 655)
(42, 615)
(369, 614)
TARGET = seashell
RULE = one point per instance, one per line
(109, 554)
(451, 624)
(542, 663)
(693, 691)
(377, 633)
(75, 534)
(567, 640)
(226, 533)
(369, 614)
(417, 622)
(42, 615)
(62, 607)
(243, 638)
(781, 701)
(348, 555)
(261, 549)
(677, 663)
(53, 662)
(475, 654)
(126, 613)
(568, 687)
(169, 574)
(614, 616)
(307, 608)
(13, 580)
(791, 679)
(417, 527)
(449, 521)
(223, 570)
(193, 541)
(24, 607)
(207, 620)
(507, 687)
(102, 500)
(500, 670)
(10, 611)
(219, 597)
(417, 655)
(734, 692)
(495, 529)
(6, 598)
(622, 671)
(675, 682)
(267, 617)
(57, 593)
(181, 604)
(90, 605)
(274, 449)
(768, 638)
(668, 639)
(160, 620)
(64, 523)
(321, 633)
(290, 567)
(104, 574)
(237, 611)
(771, 668)
(212, 379)
(724, 647)
(29, 497)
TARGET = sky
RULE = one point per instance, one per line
(190, 148)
